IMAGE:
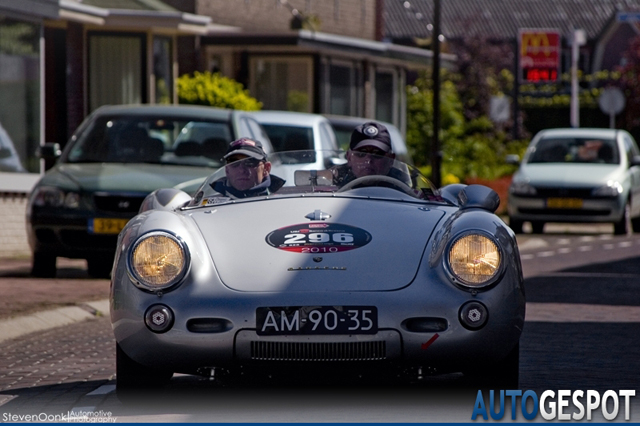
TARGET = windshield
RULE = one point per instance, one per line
(152, 139)
(285, 173)
(575, 150)
(289, 138)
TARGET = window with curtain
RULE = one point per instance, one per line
(282, 83)
(19, 95)
(162, 69)
(341, 82)
(384, 97)
(115, 69)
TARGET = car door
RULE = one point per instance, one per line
(631, 150)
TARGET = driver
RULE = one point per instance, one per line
(370, 153)
(247, 171)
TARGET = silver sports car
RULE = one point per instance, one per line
(385, 272)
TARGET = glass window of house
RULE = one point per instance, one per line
(19, 95)
(384, 96)
(282, 83)
(115, 69)
(341, 82)
(162, 61)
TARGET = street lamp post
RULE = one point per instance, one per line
(436, 155)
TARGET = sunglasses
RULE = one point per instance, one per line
(372, 154)
(246, 162)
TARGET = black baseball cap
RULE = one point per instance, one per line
(371, 134)
(246, 146)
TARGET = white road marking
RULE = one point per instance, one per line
(585, 248)
(608, 246)
(526, 257)
(546, 253)
(564, 250)
(625, 244)
(102, 390)
(577, 312)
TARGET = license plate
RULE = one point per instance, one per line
(106, 226)
(317, 320)
(564, 203)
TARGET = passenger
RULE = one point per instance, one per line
(247, 171)
(370, 153)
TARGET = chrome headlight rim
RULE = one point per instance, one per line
(173, 283)
(462, 283)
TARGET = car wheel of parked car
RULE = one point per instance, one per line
(43, 265)
(623, 226)
(515, 225)
(537, 227)
(501, 375)
(131, 376)
(99, 268)
(635, 224)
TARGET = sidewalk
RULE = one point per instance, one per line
(31, 304)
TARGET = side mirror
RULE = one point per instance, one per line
(634, 161)
(50, 151)
(513, 159)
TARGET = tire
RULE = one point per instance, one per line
(537, 227)
(635, 224)
(99, 267)
(623, 226)
(515, 225)
(132, 376)
(43, 265)
(501, 375)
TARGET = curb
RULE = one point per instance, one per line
(45, 320)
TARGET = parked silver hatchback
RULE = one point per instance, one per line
(578, 175)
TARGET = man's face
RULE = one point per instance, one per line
(245, 172)
(369, 160)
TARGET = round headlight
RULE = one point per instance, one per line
(474, 260)
(158, 261)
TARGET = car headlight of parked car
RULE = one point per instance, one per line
(474, 260)
(158, 261)
(51, 196)
(522, 188)
(611, 189)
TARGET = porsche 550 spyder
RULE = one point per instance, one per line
(383, 272)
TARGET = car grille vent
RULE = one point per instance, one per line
(564, 192)
(118, 203)
(338, 351)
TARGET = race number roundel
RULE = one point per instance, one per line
(318, 237)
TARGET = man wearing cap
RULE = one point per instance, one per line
(369, 153)
(247, 171)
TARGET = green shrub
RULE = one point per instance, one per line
(205, 88)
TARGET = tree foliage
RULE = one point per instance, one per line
(213, 89)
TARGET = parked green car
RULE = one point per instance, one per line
(116, 157)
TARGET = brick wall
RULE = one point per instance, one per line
(353, 18)
(13, 234)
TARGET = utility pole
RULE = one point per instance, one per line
(578, 38)
(436, 155)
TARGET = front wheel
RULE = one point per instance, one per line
(515, 225)
(132, 376)
(537, 227)
(100, 267)
(623, 226)
(43, 265)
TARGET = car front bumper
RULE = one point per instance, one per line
(595, 210)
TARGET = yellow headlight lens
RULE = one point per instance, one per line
(474, 259)
(157, 261)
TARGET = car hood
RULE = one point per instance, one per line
(123, 177)
(568, 174)
(388, 242)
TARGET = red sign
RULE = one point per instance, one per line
(539, 51)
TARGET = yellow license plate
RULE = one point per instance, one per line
(564, 203)
(106, 226)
